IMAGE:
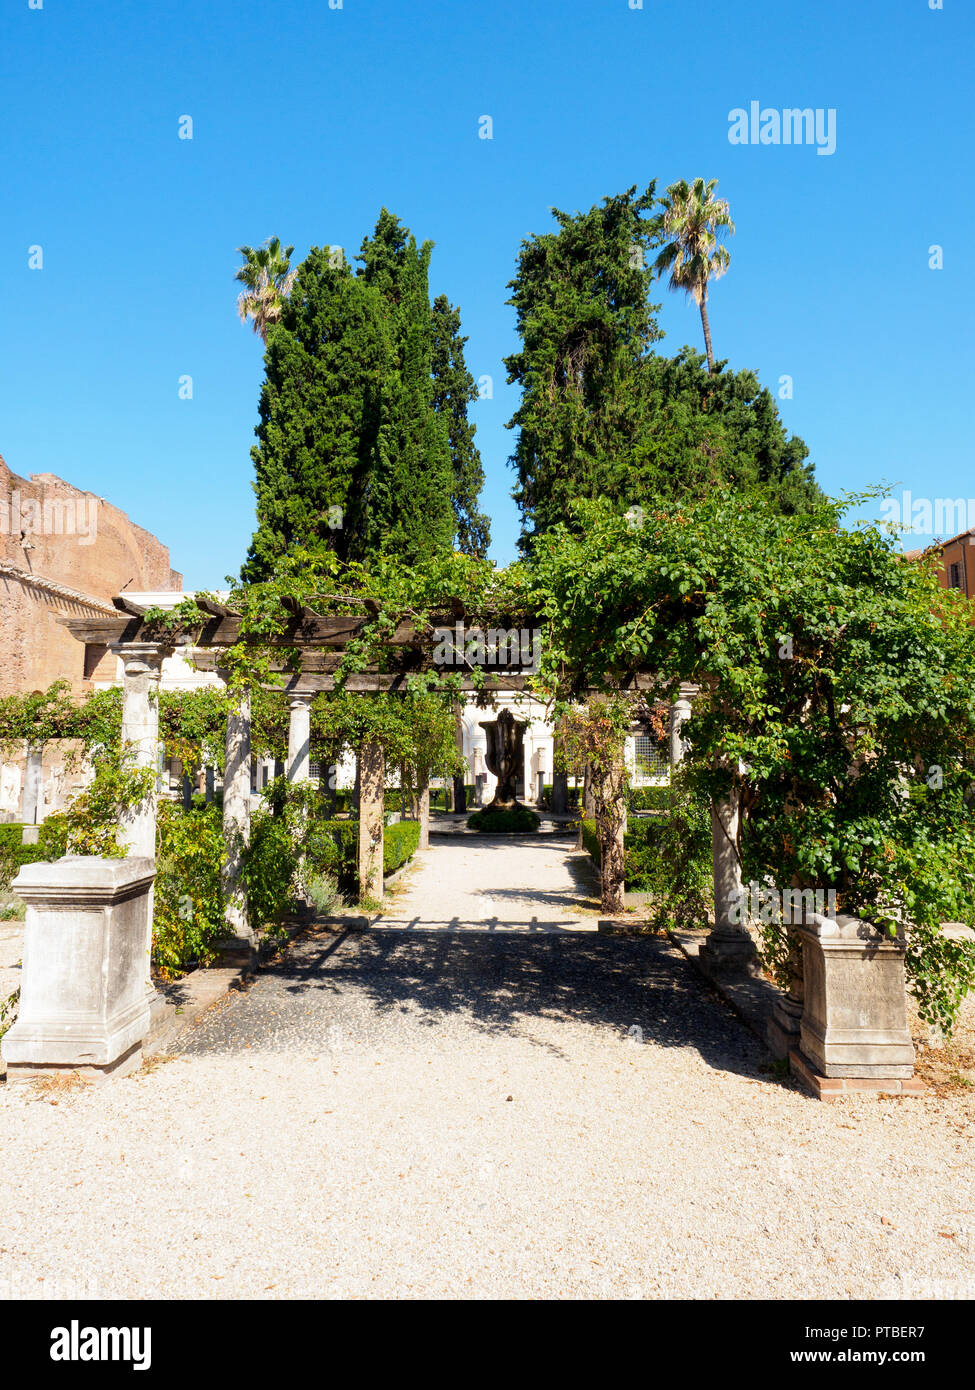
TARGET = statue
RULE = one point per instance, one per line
(506, 757)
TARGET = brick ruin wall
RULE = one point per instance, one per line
(75, 539)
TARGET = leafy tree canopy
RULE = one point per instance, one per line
(837, 696)
(602, 414)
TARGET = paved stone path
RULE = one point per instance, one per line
(497, 883)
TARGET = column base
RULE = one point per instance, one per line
(729, 951)
(835, 1087)
(40, 1071)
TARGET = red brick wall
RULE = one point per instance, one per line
(35, 649)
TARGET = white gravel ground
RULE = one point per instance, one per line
(429, 1115)
(497, 883)
(11, 950)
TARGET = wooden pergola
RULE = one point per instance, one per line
(312, 647)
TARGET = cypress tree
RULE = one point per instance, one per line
(411, 510)
(358, 446)
(318, 449)
(453, 391)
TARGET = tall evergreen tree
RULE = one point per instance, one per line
(453, 391)
(358, 445)
(582, 300)
(319, 452)
(410, 509)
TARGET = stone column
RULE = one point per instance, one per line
(460, 779)
(729, 944)
(299, 738)
(33, 776)
(372, 777)
(142, 667)
(680, 712)
(237, 816)
(210, 784)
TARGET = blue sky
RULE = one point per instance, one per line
(306, 120)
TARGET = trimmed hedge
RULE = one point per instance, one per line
(516, 821)
(641, 852)
(575, 796)
(14, 855)
(332, 847)
(10, 835)
(650, 798)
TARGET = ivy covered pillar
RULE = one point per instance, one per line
(237, 815)
(729, 945)
(299, 738)
(372, 780)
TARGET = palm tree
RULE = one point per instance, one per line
(694, 220)
(268, 278)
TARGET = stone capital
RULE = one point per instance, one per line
(142, 658)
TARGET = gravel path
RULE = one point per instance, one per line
(497, 883)
(406, 1115)
(11, 951)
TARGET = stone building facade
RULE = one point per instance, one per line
(956, 562)
(64, 552)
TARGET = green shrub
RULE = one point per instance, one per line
(332, 847)
(649, 799)
(52, 840)
(11, 835)
(668, 856)
(187, 916)
(399, 843)
(322, 891)
(13, 855)
(641, 856)
(574, 797)
(518, 820)
(270, 868)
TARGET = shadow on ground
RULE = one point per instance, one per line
(390, 988)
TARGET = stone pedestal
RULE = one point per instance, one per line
(83, 1002)
(854, 1019)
